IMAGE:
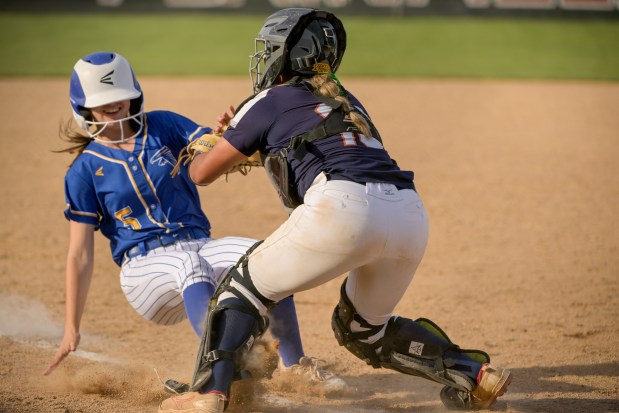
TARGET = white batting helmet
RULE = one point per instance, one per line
(102, 78)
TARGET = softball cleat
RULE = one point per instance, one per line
(310, 367)
(492, 383)
(194, 402)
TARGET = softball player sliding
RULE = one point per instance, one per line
(120, 184)
(353, 211)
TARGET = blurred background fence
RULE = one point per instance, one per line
(514, 39)
(564, 8)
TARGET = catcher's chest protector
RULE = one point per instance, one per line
(278, 171)
(277, 164)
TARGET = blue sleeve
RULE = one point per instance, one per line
(80, 197)
(180, 130)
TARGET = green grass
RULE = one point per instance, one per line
(203, 44)
(154, 44)
(487, 48)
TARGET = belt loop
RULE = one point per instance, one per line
(142, 248)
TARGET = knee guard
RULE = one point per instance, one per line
(238, 282)
(417, 348)
(207, 355)
(343, 315)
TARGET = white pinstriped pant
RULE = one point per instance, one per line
(154, 283)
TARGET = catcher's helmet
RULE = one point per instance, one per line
(297, 41)
(99, 79)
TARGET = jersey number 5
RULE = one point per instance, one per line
(123, 216)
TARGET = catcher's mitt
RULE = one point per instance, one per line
(204, 144)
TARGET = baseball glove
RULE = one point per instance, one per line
(204, 144)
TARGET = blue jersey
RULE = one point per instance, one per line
(130, 196)
(270, 119)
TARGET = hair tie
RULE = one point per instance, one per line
(337, 81)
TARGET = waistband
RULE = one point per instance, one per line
(162, 240)
(336, 177)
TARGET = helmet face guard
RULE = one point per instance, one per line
(100, 79)
(296, 40)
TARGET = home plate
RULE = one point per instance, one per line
(46, 345)
(280, 401)
(274, 400)
(31, 325)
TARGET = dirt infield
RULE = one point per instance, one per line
(521, 184)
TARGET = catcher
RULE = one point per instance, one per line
(354, 210)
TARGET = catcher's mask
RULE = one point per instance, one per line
(296, 41)
(99, 79)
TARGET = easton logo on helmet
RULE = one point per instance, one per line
(107, 79)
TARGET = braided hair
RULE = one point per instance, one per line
(328, 85)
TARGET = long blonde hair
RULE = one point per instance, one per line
(77, 140)
(327, 86)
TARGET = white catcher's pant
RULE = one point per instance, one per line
(375, 232)
(154, 283)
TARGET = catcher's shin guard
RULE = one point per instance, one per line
(418, 348)
(207, 355)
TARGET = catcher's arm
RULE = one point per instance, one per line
(202, 144)
(228, 159)
(208, 166)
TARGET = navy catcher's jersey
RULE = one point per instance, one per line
(130, 196)
(270, 119)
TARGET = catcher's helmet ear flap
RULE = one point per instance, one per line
(297, 40)
(317, 49)
(102, 78)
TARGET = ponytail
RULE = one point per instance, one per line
(77, 140)
(328, 85)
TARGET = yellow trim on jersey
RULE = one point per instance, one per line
(148, 180)
(133, 183)
(84, 214)
(141, 157)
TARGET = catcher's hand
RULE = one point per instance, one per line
(244, 167)
(204, 144)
